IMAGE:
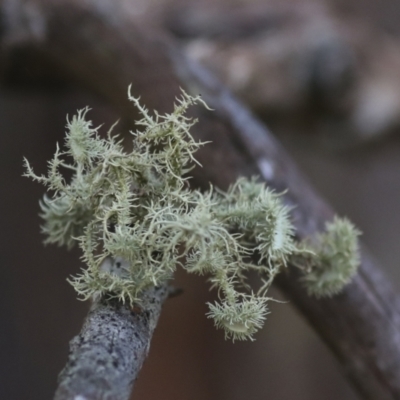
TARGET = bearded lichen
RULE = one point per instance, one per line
(335, 258)
(136, 221)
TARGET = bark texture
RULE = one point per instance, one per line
(107, 355)
(106, 48)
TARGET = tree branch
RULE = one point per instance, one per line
(108, 50)
(106, 357)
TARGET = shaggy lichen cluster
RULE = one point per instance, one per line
(136, 221)
(335, 258)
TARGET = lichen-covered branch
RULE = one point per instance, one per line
(107, 355)
(135, 208)
(108, 50)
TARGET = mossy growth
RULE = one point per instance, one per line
(335, 258)
(136, 221)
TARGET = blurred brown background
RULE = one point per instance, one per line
(188, 359)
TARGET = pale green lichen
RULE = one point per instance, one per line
(334, 260)
(241, 319)
(136, 220)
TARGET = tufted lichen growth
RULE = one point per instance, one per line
(335, 258)
(240, 320)
(136, 220)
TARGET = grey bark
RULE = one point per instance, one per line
(107, 49)
(107, 355)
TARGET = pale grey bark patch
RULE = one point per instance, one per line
(107, 355)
